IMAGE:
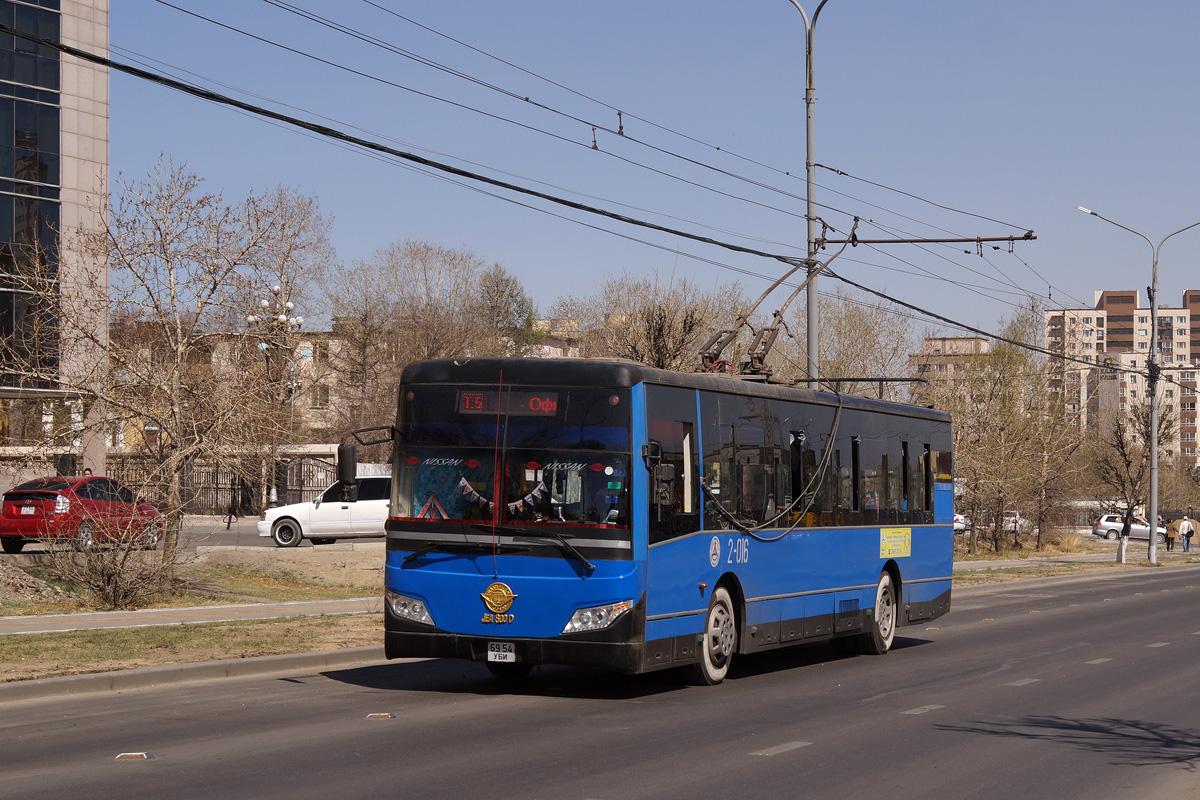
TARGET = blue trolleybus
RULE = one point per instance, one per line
(608, 514)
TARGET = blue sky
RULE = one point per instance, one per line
(1016, 113)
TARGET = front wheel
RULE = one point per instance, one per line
(286, 533)
(1111, 536)
(719, 643)
(12, 544)
(878, 640)
(1160, 538)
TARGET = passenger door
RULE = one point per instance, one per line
(672, 457)
(329, 516)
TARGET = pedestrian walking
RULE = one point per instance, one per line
(1186, 529)
(1172, 534)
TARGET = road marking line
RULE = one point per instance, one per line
(783, 748)
(1098, 661)
(921, 709)
(1023, 682)
(1158, 644)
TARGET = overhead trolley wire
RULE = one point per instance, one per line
(325, 131)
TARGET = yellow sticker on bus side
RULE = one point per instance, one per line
(895, 542)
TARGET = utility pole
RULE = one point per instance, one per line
(810, 99)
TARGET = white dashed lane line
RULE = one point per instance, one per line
(921, 709)
(782, 748)
(1098, 661)
(1158, 644)
(1023, 682)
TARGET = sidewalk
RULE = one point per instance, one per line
(97, 620)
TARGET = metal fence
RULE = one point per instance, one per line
(217, 488)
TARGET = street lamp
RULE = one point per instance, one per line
(276, 316)
(810, 99)
(1153, 369)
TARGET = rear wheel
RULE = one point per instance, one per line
(878, 640)
(85, 536)
(1160, 538)
(719, 644)
(1111, 536)
(12, 544)
(151, 536)
(286, 533)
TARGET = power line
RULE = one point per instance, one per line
(325, 131)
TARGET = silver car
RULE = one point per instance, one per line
(1109, 527)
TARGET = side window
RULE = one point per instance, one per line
(333, 494)
(671, 458)
(374, 489)
(89, 490)
(125, 495)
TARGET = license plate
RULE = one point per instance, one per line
(502, 651)
(28, 509)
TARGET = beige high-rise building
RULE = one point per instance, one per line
(1106, 349)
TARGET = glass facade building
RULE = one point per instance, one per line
(53, 174)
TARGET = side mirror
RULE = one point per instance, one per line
(347, 463)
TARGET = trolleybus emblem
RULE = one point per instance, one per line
(498, 598)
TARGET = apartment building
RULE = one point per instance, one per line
(1106, 349)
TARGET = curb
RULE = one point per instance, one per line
(125, 680)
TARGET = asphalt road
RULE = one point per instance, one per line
(1061, 688)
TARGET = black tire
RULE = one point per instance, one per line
(151, 536)
(12, 544)
(718, 644)
(286, 533)
(85, 536)
(509, 670)
(878, 640)
(1112, 536)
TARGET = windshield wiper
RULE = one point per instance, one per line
(542, 534)
(462, 547)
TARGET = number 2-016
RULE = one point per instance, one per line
(739, 552)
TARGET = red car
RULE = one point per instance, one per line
(86, 510)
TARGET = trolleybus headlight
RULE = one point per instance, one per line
(409, 608)
(597, 617)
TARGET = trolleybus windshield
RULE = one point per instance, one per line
(527, 456)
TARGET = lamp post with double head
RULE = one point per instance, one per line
(279, 325)
(1152, 370)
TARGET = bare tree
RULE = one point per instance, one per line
(1013, 451)
(658, 321)
(173, 370)
(414, 300)
(1120, 458)
(861, 337)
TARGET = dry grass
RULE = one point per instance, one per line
(46, 655)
